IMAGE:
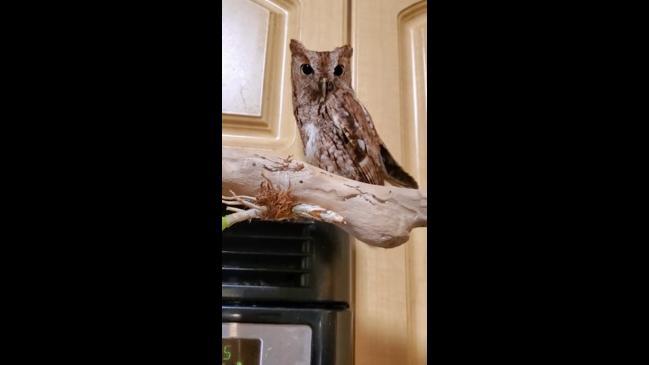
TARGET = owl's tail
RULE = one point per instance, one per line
(395, 174)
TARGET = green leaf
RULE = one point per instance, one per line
(224, 223)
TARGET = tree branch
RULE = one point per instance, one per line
(377, 215)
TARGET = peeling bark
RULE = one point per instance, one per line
(377, 215)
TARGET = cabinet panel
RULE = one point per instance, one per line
(389, 43)
(413, 74)
(244, 35)
(256, 88)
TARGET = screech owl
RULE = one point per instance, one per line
(336, 130)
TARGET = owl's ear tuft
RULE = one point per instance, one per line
(297, 47)
(346, 51)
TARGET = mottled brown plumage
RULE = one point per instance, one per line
(337, 131)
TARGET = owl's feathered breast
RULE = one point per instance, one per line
(339, 137)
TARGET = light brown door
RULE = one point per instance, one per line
(389, 76)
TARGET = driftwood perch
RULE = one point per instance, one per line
(377, 215)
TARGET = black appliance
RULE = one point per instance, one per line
(287, 290)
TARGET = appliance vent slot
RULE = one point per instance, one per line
(265, 256)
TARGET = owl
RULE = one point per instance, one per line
(336, 130)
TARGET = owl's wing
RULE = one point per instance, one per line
(360, 141)
(373, 158)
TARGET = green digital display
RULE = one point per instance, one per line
(240, 351)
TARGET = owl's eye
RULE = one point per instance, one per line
(338, 70)
(306, 69)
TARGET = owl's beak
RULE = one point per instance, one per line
(323, 89)
(325, 86)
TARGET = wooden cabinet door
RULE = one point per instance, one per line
(389, 76)
(389, 40)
